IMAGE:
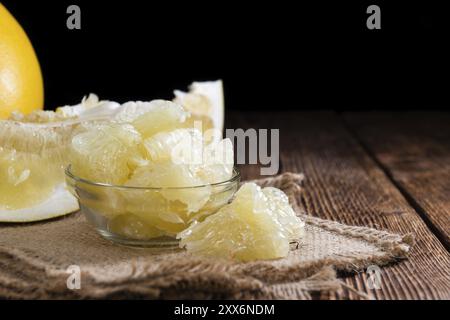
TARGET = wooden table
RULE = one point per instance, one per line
(388, 171)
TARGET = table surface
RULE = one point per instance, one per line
(389, 171)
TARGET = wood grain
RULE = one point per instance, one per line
(344, 184)
(414, 150)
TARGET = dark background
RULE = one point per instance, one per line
(284, 55)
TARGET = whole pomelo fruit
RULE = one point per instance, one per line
(21, 85)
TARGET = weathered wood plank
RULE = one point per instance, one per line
(344, 184)
(414, 150)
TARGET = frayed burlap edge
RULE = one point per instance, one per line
(23, 276)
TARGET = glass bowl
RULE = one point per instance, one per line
(147, 217)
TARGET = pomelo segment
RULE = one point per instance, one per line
(173, 178)
(153, 208)
(181, 146)
(60, 202)
(278, 203)
(249, 228)
(152, 117)
(102, 153)
(32, 157)
(90, 108)
(133, 227)
(26, 178)
(218, 162)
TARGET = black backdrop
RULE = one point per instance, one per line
(284, 55)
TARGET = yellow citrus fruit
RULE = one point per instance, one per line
(21, 85)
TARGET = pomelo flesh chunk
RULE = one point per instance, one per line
(257, 224)
(133, 227)
(168, 176)
(152, 117)
(32, 158)
(102, 153)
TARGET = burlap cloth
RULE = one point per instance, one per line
(34, 259)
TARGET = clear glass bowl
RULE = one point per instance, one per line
(147, 217)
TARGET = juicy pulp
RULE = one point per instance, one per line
(249, 228)
(32, 158)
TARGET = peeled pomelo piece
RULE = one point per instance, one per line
(37, 116)
(273, 201)
(171, 210)
(183, 146)
(26, 178)
(205, 102)
(58, 203)
(279, 204)
(218, 162)
(101, 154)
(152, 208)
(106, 201)
(158, 207)
(213, 162)
(90, 108)
(244, 230)
(131, 226)
(176, 181)
(32, 160)
(152, 117)
(217, 167)
(247, 229)
(220, 196)
(170, 223)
